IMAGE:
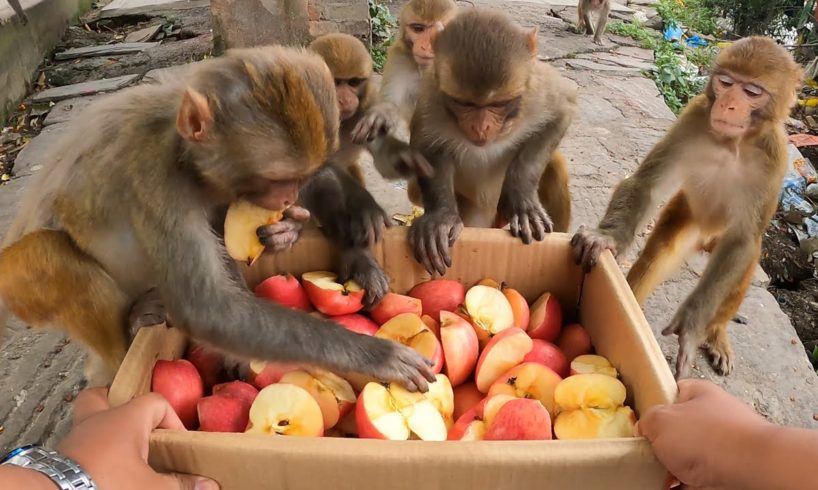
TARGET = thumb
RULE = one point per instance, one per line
(182, 481)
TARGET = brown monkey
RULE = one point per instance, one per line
(128, 201)
(726, 155)
(584, 10)
(489, 118)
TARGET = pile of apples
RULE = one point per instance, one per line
(506, 370)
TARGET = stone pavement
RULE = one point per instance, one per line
(621, 116)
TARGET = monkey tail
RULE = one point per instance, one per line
(554, 194)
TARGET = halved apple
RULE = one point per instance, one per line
(330, 297)
(331, 392)
(589, 391)
(433, 325)
(460, 347)
(595, 423)
(489, 311)
(519, 306)
(519, 420)
(504, 351)
(356, 323)
(466, 396)
(529, 380)
(472, 425)
(545, 321)
(263, 374)
(285, 409)
(590, 363)
(441, 394)
(438, 294)
(389, 411)
(240, 224)
(549, 355)
(488, 282)
(284, 290)
(408, 329)
(393, 305)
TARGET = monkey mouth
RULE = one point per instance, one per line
(728, 125)
(424, 60)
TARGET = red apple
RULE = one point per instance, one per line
(545, 321)
(408, 329)
(222, 414)
(356, 323)
(285, 409)
(472, 425)
(549, 355)
(489, 311)
(208, 362)
(393, 305)
(181, 385)
(391, 412)
(520, 419)
(263, 374)
(433, 325)
(245, 392)
(504, 351)
(529, 380)
(330, 297)
(460, 347)
(466, 396)
(439, 294)
(284, 290)
(519, 306)
(574, 341)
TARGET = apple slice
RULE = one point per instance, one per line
(590, 363)
(595, 423)
(347, 427)
(504, 351)
(393, 305)
(545, 321)
(389, 411)
(330, 297)
(589, 391)
(466, 396)
(222, 414)
(356, 323)
(263, 374)
(438, 294)
(244, 392)
(460, 347)
(518, 420)
(574, 341)
(489, 311)
(433, 325)
(242, 220)
(181, 385)
(472, 425)
(519, 306)
(285, 409)
(529, 380)
(325, 397)
(549, 355)
(208, 362)
(284, 290)
(408, 329)
(441, 394)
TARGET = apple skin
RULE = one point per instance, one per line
(219, 413)
(433, 325)
(439, 294)
(511, 338)
(460, 347)
(208, 362)
(341, 299)
(356, 323)
(548, 355)
(519, 306)
(238, 390)
(263, 374)
(575, 341)
(393, 305)
(529, 380)
(284, 290)
(522, 419)
(181, 385)
(488, 282)
(545, 320)
(466, 397)
(408, 329)
(463, 429)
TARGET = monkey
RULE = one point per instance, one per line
(584, 9)
(723, 162)
(18, 9)
(127, 203)
(489, 118)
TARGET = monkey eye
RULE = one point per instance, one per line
(753, 90)
(355, 82)
(726, 81)
(417, 28)
(338, 81)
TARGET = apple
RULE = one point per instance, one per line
(208, 362)
(441, 394)
(263, 374)
(356, 323)
(391, 412)
(433, 325)
(574, 341)
(466, 396)
(529, 380)
(489, 311)
(287, 410)
(595, 423)
(590, 363)
(394, 304)
(408, 329)
(242, 220)
(181, 385)
(472, 425)
(520, 419)
(460, 347)
(244, 392)
(347, 427)
(589, 391)
(284, 290)
(439, 294)
(545, 320)
(488, 282)
(330, 391)
(504, 351)
(549, 355)
(219, 413)
(330, 297)
(519, 306)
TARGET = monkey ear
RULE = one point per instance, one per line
(532, 40)
(194, 119)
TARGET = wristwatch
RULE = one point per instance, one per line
(65, 473)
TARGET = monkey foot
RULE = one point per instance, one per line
(147, 311)
(721, 358)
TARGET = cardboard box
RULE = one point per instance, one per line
(602, 302)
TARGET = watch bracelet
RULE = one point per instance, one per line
(63, 471)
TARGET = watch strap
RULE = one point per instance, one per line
(64, 472)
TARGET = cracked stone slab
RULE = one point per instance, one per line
(617, 59)
(35, 156)
(143, 35)
(103, 50)
(121, 8)
(584, 64)
(85, 88)
(65, 110)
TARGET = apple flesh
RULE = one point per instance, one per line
(439, 294)
(408, 329)
(460, 347)
(242, 220)
(331, 392)
(545, 320)
(519, 420)
(393, 305)
(590, 363)
(548, 355)
(504, 351)
(489, 311)
(433, 325)
(391, 412)
(589, 391)
(356, 323)
(285, 409)
(330, 297)
(519, 307)
(263, 374)
(466, 396)
(472, 425)
(441, 394)
(575, 341)
(219, 413)
(181, 385)
(529, 380)
(284, 290)
(208, 362)
(595, 423)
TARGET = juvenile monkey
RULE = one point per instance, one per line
(128, 202)
(725, 158)
(584, 10)
(489, 118)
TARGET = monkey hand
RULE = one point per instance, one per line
(689, 323)
(359, 265)
(526, 217)
(283, 235)
(367, 219)
(147, 310)
(377, 121)
(431, 236)
(390, 361)
(587, 244)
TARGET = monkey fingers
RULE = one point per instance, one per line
(393, 362)
(370, 126)
(431, 236)
(587, 245)
(413, 163)
(689, 325)
(147, 310)
(359, 265)
(368, 219)
(283, 235)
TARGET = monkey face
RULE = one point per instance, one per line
(420, 37)
(483, 123)
(349, 95)
(275, 194)
(736, 101)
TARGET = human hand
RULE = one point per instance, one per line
(111, 444)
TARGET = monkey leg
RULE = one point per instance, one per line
(675, 237)
(48, 281)
(357, 173)
(554, 194)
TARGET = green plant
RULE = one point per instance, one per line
(767, 17)
(702, 57)
(383, 26)
(648, 38)
(694, 14)
(677, 81)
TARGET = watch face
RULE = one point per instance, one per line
(15, 452)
